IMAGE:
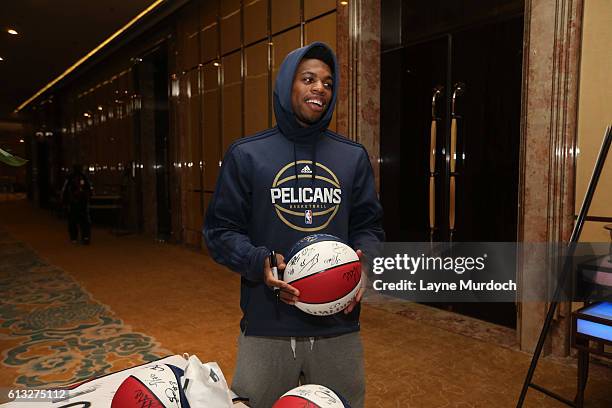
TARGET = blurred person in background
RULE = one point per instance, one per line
(76, 194)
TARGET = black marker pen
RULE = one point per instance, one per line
(274, 268)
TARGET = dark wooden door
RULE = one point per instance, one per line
(467, 84)
(487, 60)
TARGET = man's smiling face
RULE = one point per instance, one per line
(312, 90)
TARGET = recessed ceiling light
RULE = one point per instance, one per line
(91, 53)
(12, 31)
(1, 59)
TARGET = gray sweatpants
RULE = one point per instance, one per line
(267, 367)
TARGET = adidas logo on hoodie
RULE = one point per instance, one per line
(306, 170)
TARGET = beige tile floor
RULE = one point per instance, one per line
(189, 304)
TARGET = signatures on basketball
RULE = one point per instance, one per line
(169, 388)
(324, 396)
(339, 248)
(154, 381)
(353, 274)
(303, 260)
(308, 257)
(333, 260)
(173, 393)
(157, 367)
(143, 400)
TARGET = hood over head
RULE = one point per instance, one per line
(283, 109)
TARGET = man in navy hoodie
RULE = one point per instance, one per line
(276, 187)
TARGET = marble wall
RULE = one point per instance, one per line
(594, 115)
(358, 31)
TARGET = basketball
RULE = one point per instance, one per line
(154, 386)
(326, 271)
(311, 396)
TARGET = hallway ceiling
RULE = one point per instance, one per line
(53, 35)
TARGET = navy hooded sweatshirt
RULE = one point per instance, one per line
(283, 184)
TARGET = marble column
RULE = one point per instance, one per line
(551, 62)
(358, 48)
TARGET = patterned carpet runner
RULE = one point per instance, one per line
(52, 332)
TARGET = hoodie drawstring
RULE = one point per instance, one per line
(294, 345)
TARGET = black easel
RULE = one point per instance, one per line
(601, 159)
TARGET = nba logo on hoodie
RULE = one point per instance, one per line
(308, 217)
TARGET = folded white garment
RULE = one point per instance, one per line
(205, 385)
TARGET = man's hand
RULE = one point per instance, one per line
(288, 293)
(361, 290)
